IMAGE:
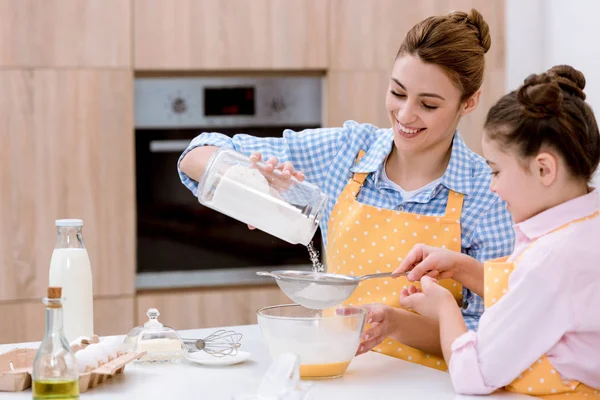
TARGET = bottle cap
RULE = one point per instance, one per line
(69, 222)
(54, 292)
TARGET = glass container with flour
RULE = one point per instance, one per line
(245, 190)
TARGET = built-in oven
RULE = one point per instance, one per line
(181, 243)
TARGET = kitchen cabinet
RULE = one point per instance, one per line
(25, 321)
(209, 308)
(230, 34)
(366, 35)
(68, 152)
(65, 33)
(17, 249)
(22, 321)
(357, 95)
(114, 315)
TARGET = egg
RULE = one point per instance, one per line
(95, 354)
(81, 339)
(111, 345)
(85, 359)
(100, 350)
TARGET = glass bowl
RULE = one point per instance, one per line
(325, 340)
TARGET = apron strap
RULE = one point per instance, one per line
(454, 205)
(359, 177)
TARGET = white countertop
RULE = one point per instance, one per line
(368, 376)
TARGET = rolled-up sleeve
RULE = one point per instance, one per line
(464, 366)
(310, 150)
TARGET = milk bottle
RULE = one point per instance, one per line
(70, 269)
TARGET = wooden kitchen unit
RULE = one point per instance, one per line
(24, 321)
(209, 308)
(67, 70)
(230, 34)
(65, 33)
(69, 153)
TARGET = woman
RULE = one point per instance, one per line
(416, 183)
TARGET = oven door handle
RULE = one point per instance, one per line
(169, 146)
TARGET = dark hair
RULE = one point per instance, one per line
(457, 42)
(549, 110)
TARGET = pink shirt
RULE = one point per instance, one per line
(552, 307)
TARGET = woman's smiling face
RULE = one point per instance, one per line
(424, 105)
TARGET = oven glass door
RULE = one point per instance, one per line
(176, 233)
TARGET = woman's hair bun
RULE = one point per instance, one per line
(483, 29)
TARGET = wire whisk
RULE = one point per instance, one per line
(219, 344)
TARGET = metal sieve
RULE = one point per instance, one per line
(318, 290)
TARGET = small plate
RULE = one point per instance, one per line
(201, 357)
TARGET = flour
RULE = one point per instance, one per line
(319, 296)
(314, 258)
(320, 341)
(244, 193)
(250, 177)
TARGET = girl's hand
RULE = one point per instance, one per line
(428, 301)
(429, 261)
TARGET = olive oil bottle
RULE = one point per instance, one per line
(56, 389)
(55, 371)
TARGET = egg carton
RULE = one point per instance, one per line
(16, 367)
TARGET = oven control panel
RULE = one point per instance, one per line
(189, 102)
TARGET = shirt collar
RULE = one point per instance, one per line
(376, 155)
(555, 217)
(456, 178)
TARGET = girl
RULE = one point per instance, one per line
(540, 333)
(417, 180)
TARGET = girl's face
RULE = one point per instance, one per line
(515, 181)
(424, 105)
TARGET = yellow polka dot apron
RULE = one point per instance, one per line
(541, 379)
(363, 239)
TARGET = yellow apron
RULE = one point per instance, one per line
(363, 239)
(541, 379)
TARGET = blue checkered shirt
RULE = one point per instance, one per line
(327, 156)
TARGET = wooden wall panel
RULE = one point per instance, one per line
(65, 33)
(68, 152)
(193, 309)
(230, 34)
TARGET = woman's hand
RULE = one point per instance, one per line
(429, 300)
(272, 164)
(286, 168)
(380, 318)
